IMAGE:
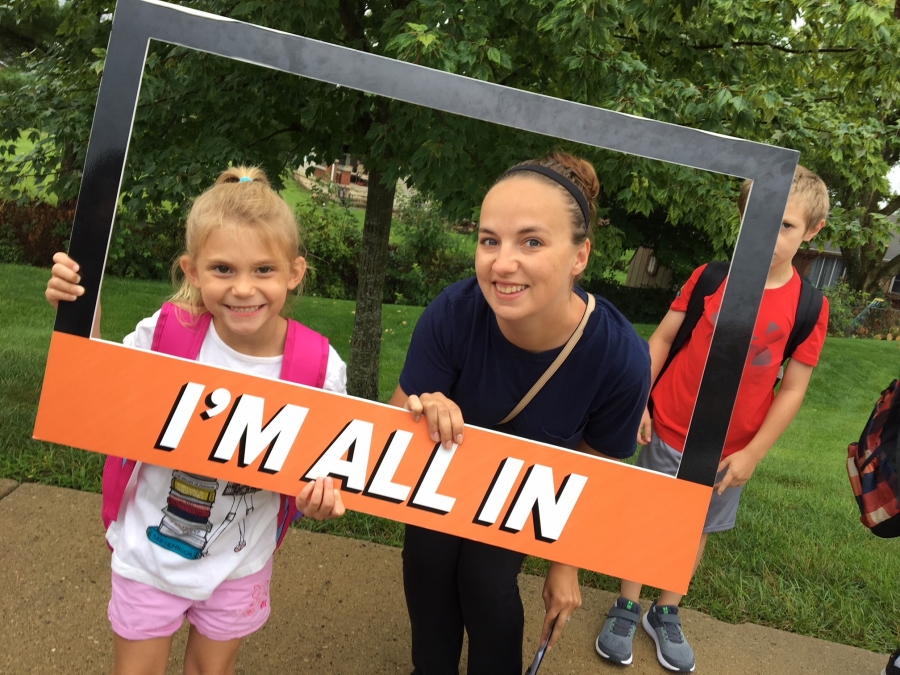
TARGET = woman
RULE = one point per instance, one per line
(476, 351)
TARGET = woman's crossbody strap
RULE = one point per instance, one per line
(557, 362)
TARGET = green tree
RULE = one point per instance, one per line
(28, 26)
(212, 111)
(818, 77)
(857, 128)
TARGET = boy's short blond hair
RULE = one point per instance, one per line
(808, 188)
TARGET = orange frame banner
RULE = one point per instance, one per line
(538, 499)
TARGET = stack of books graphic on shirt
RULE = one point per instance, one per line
(185, 527)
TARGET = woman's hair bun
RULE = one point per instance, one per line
(578, 170)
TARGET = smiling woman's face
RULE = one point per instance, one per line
(525, 261)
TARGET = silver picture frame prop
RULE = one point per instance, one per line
(137, 22)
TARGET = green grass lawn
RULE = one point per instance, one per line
(798, 560)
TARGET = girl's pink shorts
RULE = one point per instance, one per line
(237, 608)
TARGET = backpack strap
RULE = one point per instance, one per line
(305, 356)
(171, 336)
(708, 283)
(116, 474)
(180, 333)
(809, 307)
(305, 362)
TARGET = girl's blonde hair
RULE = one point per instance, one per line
(240, 197)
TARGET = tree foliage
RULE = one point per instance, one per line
(28, 26)
(820, 77)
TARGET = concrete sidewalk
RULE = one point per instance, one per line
(338, 608)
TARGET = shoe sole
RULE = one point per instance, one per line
(610, 658)
(645, 622)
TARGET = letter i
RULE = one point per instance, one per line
(498, 491)
(180, 415)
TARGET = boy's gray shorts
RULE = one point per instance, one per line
(658, 456)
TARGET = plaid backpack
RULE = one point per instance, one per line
(872, 465)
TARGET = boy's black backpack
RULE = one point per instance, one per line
(872, 466)
(808, 309)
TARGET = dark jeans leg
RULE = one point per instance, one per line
(432, 600)
(492, 608)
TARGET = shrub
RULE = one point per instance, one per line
(427, 257)
(33, 231)
(332, 239)
(844, 304)
(13, 80)
(858, 314)
(144, 250)
(10, 249)
(639, 305)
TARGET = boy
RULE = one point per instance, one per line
(759, 417)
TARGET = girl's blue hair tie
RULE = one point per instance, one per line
(245, 179)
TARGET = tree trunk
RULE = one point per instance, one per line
(866, 269)
(854, 272)
(365, 347)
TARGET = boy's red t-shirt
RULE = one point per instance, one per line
(676, 391)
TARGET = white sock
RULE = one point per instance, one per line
(897, 661)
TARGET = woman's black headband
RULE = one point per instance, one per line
(562, 180)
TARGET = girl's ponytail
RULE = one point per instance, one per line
(243, 174)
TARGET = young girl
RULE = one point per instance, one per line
(187, 545)
(476, 350)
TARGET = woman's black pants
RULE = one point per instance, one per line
(451, 584)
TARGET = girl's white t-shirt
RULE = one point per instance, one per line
(185, 534)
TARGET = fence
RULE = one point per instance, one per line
(876, 320)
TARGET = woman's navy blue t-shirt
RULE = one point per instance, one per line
(598, 394)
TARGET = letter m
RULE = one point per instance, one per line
(244, 430)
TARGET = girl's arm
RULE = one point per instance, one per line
(64, 286)
(445, 420)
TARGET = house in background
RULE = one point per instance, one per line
(644, 271)
(345, 171)
(351, 181)
(821, 268)
(826, 267)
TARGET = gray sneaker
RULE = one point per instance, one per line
(615, 640)
(672, 649)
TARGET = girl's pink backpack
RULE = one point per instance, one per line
(305, 362)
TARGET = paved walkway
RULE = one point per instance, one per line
(338, 608)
